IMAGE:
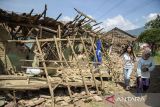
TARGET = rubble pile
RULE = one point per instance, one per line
(56, 56)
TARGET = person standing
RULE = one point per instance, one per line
(98, 57)
(128, 64)
(145, 66)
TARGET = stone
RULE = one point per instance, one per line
(10, 104)
(92, 92)
(63, 103)
(57, 99)
(2, 102)
(78, 103)
(97, 98)
(89, 99)
(83, 93)
(67, 99)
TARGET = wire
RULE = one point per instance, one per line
(139, 7)
(100, 6)
(133, 10)
(111, 9)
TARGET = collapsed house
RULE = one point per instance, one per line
(118, 39)
(38, 52)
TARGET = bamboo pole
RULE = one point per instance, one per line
(90, 66)
(5, 58)
(42, 67)
(56, 61)
(43, 40)
(59, 42)
(85, 15)
(67, 63)
(68, 87)
(40, 32)
(14, 98)
(35, 26)
(46, 72)
(86, 88)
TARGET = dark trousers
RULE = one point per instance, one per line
(142, 85)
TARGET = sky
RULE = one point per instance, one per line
(125, 14)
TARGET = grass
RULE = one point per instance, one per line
(157, 58)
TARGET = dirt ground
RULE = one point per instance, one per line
(150, 99)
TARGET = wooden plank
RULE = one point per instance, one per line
(14, 98)
(90, 66)
(81, 84)
(13, 77)
(54, 61)
(38, 86)
(84, 15)
(43, 40)
(35, 26)
(46, 72)
(59, 42)
(52, 68)
(59, 16)
(86, 88)
(68, 87)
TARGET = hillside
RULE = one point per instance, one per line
(136, 32)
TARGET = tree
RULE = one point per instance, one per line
(150, 36)
(152, 33)
(153, 23)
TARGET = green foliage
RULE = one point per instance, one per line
(152, 33)
(150, 36)
(153, 23)
(157, 58)
(88, 26)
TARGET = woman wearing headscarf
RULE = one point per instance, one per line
(145, 66)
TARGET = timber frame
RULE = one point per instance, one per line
(51, 37)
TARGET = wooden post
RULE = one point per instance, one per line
(102, 84)
(59, 42)
(94, 79)
(46, 72)
(86, 88)
(65, 60)
(14, 98)
(69, 90)
(6, 66)
(40, 32)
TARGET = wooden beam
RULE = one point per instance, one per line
(34, 26)
(59, 16)
(94, 79)
(46, 72)
(59, 42)
(75, 56)
(64, 76)
(85, 15)
(53, 61)
(51, 68)
(44, 40)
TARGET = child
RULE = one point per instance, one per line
(128, 59)
(145, 66)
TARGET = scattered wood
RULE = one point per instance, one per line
(50, 39)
